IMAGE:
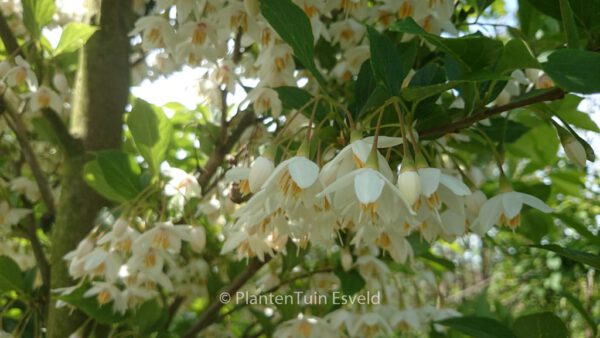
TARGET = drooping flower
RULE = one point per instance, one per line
(21, 74)
(44, 98)
(156, 32)
(505, 209)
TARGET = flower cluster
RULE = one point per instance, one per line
(21, 77)
(201, 34)
(358, 195)
(126, 266)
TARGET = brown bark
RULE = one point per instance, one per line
(101, 94)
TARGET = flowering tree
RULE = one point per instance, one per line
(352, 168)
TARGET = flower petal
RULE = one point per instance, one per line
(535, 202)
(303, 171)
(430, 180)
(368, 186)
(454, 184)
(512, 204)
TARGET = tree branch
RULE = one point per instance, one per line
(212, 310)
(242, 120)
(551, 95)
(10, 42)
(9, 105)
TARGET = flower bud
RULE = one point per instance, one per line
(4, 68)
(198, 239)
(575, 151)
(346, 260)
(410, 186)
(260, 171)
(60, 82)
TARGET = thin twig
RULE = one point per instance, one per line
(551, 95)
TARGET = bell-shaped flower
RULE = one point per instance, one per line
(105, 293)
(21, 74)
(305, 327)
(366, 196)
(163, 236)
(265, 100)
(260, 170)
(505, 209)
(409, 184)
(11, 216)
(354, 156)
(294, 182)
(44, 98)
(156, 32)
(432, 178)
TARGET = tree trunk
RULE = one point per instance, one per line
(101, 94)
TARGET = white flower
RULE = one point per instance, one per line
(366, 195)
(305, 327)
(265, 100)
(347, 32)
(59, 81)
(164, 236)
(197, 238)
(120, 237)
(102, 263)
(182, 186)
(354, 156)
(156, 32)
(5, 66)
(432, 178)
(409, 184)
(260, 171)
(505, 209)
(10, 216)
(44, 98)
(106, 292)
(370, 325)
(21, 74)
(27, 187)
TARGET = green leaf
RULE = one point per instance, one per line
(296, 98)
(567, 110)
(478, 327)
(73, 37)
(568, 19)
(151, 131)
(421, 93)
(352, 281)
(389, 66)
(114, 174)
(575, 255)
(365, 84)
(293, 26)
(149, 317)
(516, 55)
(37, 14)
(473, 52)
(586, 12)
(539, 145)
(575, 70)
(540, 325)
(500, 129)
(11, 277)
(90, 306)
